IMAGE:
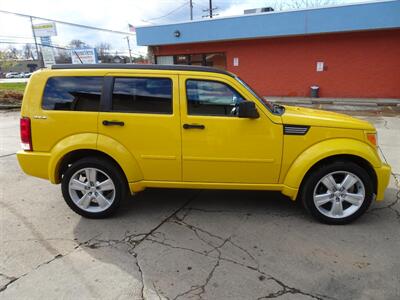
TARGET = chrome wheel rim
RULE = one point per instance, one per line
(339, 194)
(91, 190)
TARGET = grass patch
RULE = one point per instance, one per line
(13, 86)
(11, 93)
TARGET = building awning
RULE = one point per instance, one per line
(354, 17)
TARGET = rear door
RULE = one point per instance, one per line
(142, 114)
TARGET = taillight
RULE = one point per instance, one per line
(25, 129)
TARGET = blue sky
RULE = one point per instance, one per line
(113, 15)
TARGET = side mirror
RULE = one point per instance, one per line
(247, 109)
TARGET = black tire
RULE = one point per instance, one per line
(111, 170)
(310, 182)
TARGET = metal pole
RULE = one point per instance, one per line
(129, 48)
(39, 54)
(211, 9)
(191, 9)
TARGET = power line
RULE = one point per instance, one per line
(16, 37)
(200, 5)
(67, 23)
(50, 46)
(64, 48)
(210, 10)
(6, 39)
(169, 13)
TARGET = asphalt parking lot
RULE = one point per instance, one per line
(191, 244)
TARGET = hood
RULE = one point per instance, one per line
(314, 117)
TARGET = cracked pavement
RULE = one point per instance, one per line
(192, 244)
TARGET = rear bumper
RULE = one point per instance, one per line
(34, 163)
(383, 177)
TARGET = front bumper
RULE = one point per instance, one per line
(383, 177)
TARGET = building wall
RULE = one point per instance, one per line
(357, 64)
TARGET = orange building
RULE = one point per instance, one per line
(348, 51)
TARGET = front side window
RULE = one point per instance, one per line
(72, 93)
(142, 95)
(211, 98)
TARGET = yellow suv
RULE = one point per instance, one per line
(106, 130)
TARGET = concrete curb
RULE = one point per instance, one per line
(7, 106)
(338, 101)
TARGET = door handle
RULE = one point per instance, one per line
(194, 126)
(111, 123)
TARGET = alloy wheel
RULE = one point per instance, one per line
(91, 190)
(339, 194)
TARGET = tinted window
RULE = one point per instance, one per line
(73, 93)
(143, 95)
(211, 98)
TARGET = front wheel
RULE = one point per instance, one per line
(93, 187)
(337, 193)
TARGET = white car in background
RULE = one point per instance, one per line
(12, 75)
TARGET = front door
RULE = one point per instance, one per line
(217, 145)
(143, 116)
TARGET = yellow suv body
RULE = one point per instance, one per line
(102, 130)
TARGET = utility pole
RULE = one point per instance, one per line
(129, 48)
(39, 54)
(210, 10)
(191, 9)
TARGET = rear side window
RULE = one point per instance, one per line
(73, 93)
(142, 95)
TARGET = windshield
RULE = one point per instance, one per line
(278, 109)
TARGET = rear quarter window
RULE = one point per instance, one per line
(80, 93)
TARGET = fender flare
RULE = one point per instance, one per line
(325, 149)
(93, 141)
(122, 156)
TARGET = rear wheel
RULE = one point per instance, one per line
(93, 187)
(337, 193)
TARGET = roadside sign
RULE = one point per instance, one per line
(84, 56)
(45, 29)
(45, 40)
(47, 51)
(48, 56)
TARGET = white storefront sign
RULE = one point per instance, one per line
(45, 29)
(84, 56)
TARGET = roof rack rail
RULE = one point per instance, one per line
(140, 67)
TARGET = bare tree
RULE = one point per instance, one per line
(12, 53)
(63, 56)
(140, 59)
(77, 44)
(27, 50)
(103, 51)
(5, 63)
